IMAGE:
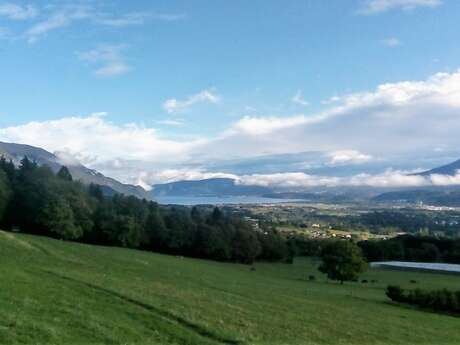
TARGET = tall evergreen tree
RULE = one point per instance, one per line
(5, 193)
(64, 174)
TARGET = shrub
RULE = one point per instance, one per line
(438, 300)
(395, 293)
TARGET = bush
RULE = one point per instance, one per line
(395, 293)
(438, 300)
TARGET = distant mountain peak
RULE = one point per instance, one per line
(218, 186)
(79, 172)
(448, 169)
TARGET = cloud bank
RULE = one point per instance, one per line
(299, 180)
(403, 118)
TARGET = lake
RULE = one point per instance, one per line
(219, 200)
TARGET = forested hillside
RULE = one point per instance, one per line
(35, 200)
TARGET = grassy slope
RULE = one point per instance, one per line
(54, 292)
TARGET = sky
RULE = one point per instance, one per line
(152, 92)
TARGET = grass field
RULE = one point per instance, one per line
(55, 292)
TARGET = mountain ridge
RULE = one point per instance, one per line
(79, 172)
(206, 187)
(447, 169)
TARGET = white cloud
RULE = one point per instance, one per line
(61, 17)
(445, 180)
(16, 12)
(300, 180)
(169, 122)
(174, 105)
(265, 125)
(348, 156)
(298, 99)
(68, 158)
(113, 68)
(388, 179)
(58, 16)
(379, 6)
(396, 118)
(108, 58)
(96, 141)
(135, 18)
(294, 180)
(391, 42)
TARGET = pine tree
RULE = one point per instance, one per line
(64, 174)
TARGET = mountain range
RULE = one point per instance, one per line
(449, 196)
(434, 195)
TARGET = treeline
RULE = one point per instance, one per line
(437, 300)
(410, 221)
(412, 248)
(35, 200)
(401, 248)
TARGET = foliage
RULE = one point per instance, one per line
(38, 201)
(342, 261)
(439, 300)
(5, 192)
(413, 248)
(64, 174)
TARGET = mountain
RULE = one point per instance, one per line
(434, 196)
(79, 172)
(448, 169)
(208, 187)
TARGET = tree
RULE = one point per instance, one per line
(216, 216)
(342, 261)
(429, 252)
(196, 215)
(245, 245)
(96, 192)
(274, 247)
(27, 165)
(57, 216)
(8, 167)
(5, 193)
(36, 200)
(211, 243)
(64, 174)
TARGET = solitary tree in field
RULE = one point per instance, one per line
(342, 261)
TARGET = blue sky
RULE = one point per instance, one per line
(189, 73)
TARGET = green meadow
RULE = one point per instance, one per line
(56, 292)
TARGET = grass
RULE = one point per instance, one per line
(55, 292)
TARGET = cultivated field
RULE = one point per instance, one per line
(55, 292)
